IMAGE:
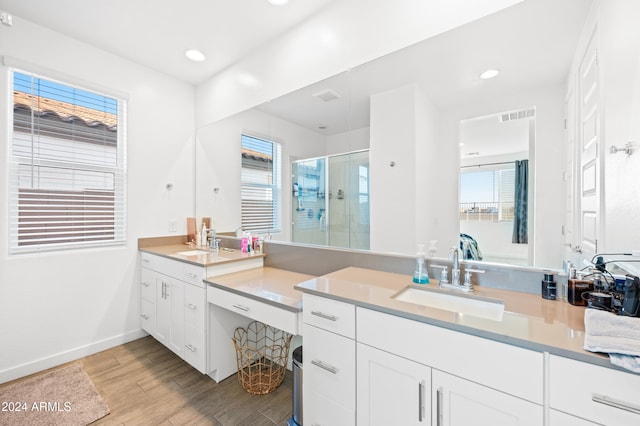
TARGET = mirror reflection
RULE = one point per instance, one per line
(491, 227)
(412, 110)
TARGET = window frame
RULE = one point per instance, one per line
(15, 161)
(275, 187)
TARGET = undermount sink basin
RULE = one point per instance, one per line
(193, 252)
(468, 304)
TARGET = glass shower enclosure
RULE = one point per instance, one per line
(330, 204)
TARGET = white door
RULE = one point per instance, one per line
(571, 244)
(589, 144)
(459, 402)
(391, 390)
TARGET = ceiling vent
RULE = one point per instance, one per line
(517, 115)
(327, 95)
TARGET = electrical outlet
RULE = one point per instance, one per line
(173, 225)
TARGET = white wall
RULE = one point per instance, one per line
(620, 38)
(404, 131)
(218, 164)
(55, 307)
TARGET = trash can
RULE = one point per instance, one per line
(296, 418)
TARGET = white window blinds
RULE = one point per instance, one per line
(67, 167)
(261, 185)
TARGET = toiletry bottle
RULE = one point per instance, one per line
(549, 287)
(245, 241)
(203, 235)
(420, 275)
(576, 287)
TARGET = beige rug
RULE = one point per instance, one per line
(64, 396)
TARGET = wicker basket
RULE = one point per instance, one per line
(262, 353)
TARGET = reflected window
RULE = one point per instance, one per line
(261, 185)
(487, 195)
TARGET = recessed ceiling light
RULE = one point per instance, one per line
(278, 2)
(195, 55)
(489, 74)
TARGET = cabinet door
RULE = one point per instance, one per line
(459, 402)
(148, 316)
(176, 299)
(391, 390)
(170, 313)
(163, 310)
(329, 383)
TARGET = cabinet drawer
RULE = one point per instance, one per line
(558, 418)
(148, 316)
(194, 347)
(329, 366)
(194, 306)
(172, 268)
(148, 284)
(276, 317)
(600, 394)
(329, 314)
(193, 274)
(146, 260)
(318, 410)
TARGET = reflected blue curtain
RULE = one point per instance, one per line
(521, 197)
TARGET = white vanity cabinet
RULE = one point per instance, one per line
(329, 357)
(472, 380)
(598, 394)
(173, 303)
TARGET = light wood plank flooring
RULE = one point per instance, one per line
(145, 383)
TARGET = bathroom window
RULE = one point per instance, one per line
(487, 195)
(261, 185)
(67, 167)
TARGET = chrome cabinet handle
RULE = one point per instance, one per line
(241, 307)
(190, 306)
(189, 274)
(325, 316)
(145, 284)
(144, 316)
(146, 260)
(439, 407)
(421, 401)
(615, 403)
(191, 348)
(331, 369)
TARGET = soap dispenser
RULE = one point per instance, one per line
(420, 276)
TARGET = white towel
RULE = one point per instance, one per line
(610, 333)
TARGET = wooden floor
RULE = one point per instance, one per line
(145, 383)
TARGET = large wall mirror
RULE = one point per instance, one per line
(412, 110)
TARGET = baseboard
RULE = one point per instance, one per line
(67, 356)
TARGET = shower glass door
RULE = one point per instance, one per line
(330, 202)
(308, 206)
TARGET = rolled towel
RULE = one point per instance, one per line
(610, 333)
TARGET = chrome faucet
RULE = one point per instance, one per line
(455, 268)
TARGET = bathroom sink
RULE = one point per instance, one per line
(467, 304)
(193, 252)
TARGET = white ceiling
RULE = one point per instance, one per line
(156, 33)
(531, 43)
